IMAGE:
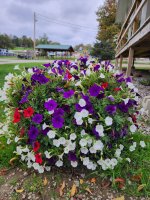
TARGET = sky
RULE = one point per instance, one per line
(65, 21)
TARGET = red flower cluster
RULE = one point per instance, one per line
(36, 146)
(28, 112)
(17, 116)
(117, 89)
(105, 85)
(38, 158)
(22, 131)
(69, 75)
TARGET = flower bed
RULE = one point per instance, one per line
(71, 114)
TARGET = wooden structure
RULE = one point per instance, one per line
(52, 48)
(134, 38)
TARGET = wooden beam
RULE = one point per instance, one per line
(116, 63)
(143, 31)
(120, 64)
(131, 22)
(130, 61)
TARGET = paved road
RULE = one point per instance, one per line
(11, 61)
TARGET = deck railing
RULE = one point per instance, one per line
(137, 16)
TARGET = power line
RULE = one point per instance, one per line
(68, 24)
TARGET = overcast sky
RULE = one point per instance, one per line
(16, 18)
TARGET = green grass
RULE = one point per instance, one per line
(6, 152)
(9, 68)
(22, 48)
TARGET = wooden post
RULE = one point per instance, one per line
(130, 61)
(116, 63)
(120, 64)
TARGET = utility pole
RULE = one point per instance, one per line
(34, 37)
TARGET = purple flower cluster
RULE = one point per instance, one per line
(33, 133)
(40, 78)
(111, 109)
(95, 89)
(68, 94)
(50, 105)
(37, 118)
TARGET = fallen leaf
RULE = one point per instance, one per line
(20, 191)
(119, 198)
(121, 182)
(61, 189)
(140, 187)
(3, 172)
(45, 181)
(93, 180)
(88, 190)
(136, 178)
(12, 160)
(81, 181)
(105, 184)
(73, 190)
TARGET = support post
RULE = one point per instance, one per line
(116, 63)
(130, 61)
(120, 64)
(34, 42)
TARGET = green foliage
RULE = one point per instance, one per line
(103, 50)
(145, 82)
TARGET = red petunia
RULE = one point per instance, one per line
(17, 116)
(69, 75)
(36, 146)
(22, 131)
(38, 158)
(117, 89)
(105, 85)
(28, 112)
(133, 118)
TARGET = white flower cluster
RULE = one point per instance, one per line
(79, 116)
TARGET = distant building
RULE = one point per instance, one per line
(134, 38)
(51, 49)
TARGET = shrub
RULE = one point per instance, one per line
(66, 115)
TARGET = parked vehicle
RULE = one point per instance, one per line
(6, 52)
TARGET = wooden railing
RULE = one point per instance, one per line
(131, 23)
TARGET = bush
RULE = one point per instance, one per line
(65, 115)
(145, 82)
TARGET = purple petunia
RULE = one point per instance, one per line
(68, 94)
(95, 90)
(59, 111)
(37, 118)
(40, 78)
(33, 133)
(57, 121)
(72, 156)
(50, 105)
(111, 109)
(123, 107)
(45, 131)
(47, 65)
(96, 68)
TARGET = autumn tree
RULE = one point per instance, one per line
(106, 16)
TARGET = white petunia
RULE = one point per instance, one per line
(82, 102)
(121, 147)
(130, 119)
(74, 163)
(84, 150)
(51, 134)
(19, 150)
(108, 121)
(90, 120)
(59, 163)
(98, 145)
(78, 116)
(128, 159)
(78, 83)
(51, 112)
(79, 122)
(126, 100)
(132, 148)
(72, 146)
(83, 142)
(29, 164)
(142, 144)
(102, 75)
(83, 132)
(118, 153)
(133, 128)
(44, 126)
(92, 150)
(31, 156)
(84, 113)
(130, 85)
(73, 136)
(47, 154)
(100, 130)
(88, 72)
(48, 168)
(62, 140)
(17, 139)
(16, 67)
(30, 70)
(89, 141)
(86, 161)
(40, 169)
(56, 143)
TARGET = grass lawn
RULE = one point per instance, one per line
(9, 68)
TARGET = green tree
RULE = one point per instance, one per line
(6, 42)
(107, 29)
(103, 50)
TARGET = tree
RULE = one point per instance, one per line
(103, 50)
(108, 29)
(5, 42)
